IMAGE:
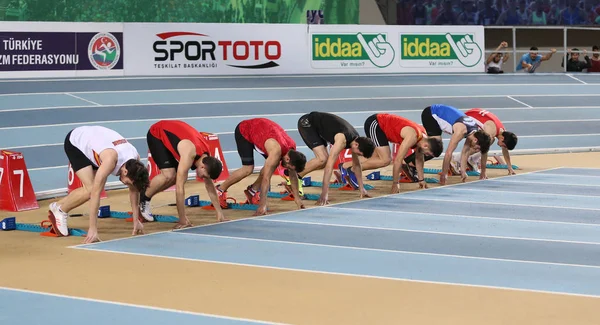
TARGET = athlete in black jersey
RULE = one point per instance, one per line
(317, 129)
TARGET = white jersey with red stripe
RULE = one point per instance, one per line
(92, 140)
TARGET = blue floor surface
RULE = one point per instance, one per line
(539, 238)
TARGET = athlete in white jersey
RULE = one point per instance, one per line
(96, 152)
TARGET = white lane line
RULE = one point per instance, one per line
(520, 102)
(83, 99)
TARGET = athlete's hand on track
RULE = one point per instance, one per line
(395, 188)
(92, 236)
(323, 200)
(261, 211)
(443, 179)
(138, 228)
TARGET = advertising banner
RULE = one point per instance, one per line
(72, 52)
(420, 49)
(215, 49)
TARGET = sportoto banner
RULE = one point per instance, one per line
(362, 48)
(215, 49)
(53, 50)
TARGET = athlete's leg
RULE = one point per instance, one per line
(81, 195)
(167, 164)
(162, 181)
(313, 140)
(246, 151)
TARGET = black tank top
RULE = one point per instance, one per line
(328, 125)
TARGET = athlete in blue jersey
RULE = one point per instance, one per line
(438, 119)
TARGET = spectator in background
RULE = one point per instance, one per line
(510, 16)
(496, 60)
(432, 11)
(531, 61)
(468, 16)
(524, 12)
(595, 61)
(572, 15)
(538, 16)
(446, 16)
(419, 14)
(488, 16)
(573, 63)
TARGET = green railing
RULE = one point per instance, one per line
(196, 11)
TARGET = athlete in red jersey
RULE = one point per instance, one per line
(176, 147)
(385, 128)
(492, 125)
(275, 145)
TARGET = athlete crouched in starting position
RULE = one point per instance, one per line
(177, 147)
(317, 130)
(438, 119)
(95, 152)
(386, 128)
(491, 124)
(277, 147)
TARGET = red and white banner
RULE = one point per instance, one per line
(215, 49)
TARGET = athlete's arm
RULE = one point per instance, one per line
(338, 146)
(295, 191)
(464, 156)
(214, 198)
(409, 139)
(187, 153)
(357, 169)
(134, 199)
(506, 155)
(458, 134)
(109, 162)
(273, 157)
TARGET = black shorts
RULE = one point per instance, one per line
(374, 132)
(76, 157)
(309, 133)
(245, 148)
(162, 157)
(430, 124)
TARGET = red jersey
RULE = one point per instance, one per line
(392, 125)
(482, 116)
(595, 65)
(169, 131)
(258, 130)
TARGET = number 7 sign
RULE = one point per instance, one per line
(16, 191)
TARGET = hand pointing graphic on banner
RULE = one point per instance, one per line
(380, 52)
(467, 51)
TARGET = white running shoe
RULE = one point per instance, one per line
(59, 219)
(146, 211)
(474, 163)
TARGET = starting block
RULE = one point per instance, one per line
(376, 176)
(285, 196)
(438, 171)
(16, 191)
(44, 228)
(233, 206)
(500, 166)
(192, 201)
(214, 145)
(104, 211)
(339, 185)
(128, 217)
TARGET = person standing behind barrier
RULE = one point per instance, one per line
(531, 61)
(573, 63)
(495, 61)
(176, 147)
(95, 152)
(318, 129)
(595, 60)
(277, 147)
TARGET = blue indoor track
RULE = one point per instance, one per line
(549, 113)
(536, 231)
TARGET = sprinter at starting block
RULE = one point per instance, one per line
(386, 128)
(177, 147)
(277, 147)
(317, 129)
(95, 152)
(438, 119)
(491, 124)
